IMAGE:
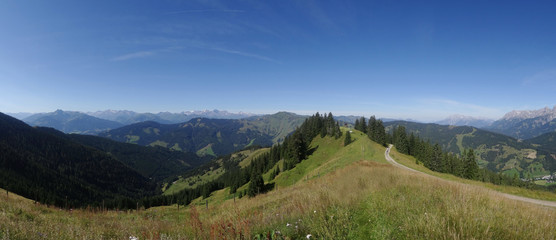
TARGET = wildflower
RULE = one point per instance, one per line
(288, 225)
(315, 211)
(309, 236)
(133, 238)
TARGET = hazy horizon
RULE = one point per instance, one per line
(405, 60)
(308, 113)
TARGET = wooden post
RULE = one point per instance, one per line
(234, 197)
(7, 195)
(206, 204)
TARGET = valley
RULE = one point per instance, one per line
(336, 192)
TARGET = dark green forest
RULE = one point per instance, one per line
(53, 170)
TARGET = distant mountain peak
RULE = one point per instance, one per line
(462, 120)
(525, 114)
(525, 124)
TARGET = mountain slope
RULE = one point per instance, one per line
(526, 124)
(337, 194)
(497, 152)
(130, 117)
(156, 163)
(460, 120)
(278, 125)
(52, 169)
(71, 122)
(213, 137)
(546, 141)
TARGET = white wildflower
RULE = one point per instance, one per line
(309, 236)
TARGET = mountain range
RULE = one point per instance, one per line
(526, 124)
(213, 137)
(71, 122)
(461, 120)
(129, 117)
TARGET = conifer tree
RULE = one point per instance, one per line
(256, 185)
(347, 139)
(470, 165)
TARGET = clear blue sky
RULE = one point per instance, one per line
(423, 60)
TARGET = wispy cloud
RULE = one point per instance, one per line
(144, 54)
(207, 11)
(244, 54)
(134, 55)
(543, 78)
(449, 107)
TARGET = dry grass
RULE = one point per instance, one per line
(364, 200)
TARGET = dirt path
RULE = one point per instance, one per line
(510, 196)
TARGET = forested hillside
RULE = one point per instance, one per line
(156, 163)
(212, 137)
(55, 170)
(496, 152)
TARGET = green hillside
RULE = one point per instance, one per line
(546, 142)
(336, 193)
(44, 165)
(278, 125)
(156, 163)
(210, 137)
(212, 170)
(496, 152)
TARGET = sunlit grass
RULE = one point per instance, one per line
(356, 197)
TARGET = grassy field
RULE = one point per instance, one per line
(339, 193)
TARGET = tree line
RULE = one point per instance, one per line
(293, 150)
(463, 165)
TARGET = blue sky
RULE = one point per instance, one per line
(422, 60)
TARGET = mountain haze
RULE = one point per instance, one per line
(461, 120)
(212, 137)
(129, 117)
(526, 124)
(71, 122)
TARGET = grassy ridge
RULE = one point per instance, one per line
(351, 198)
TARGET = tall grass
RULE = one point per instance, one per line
(363, 200)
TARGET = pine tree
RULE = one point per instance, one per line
(347, 139)
(256, 185)
(470, 165)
